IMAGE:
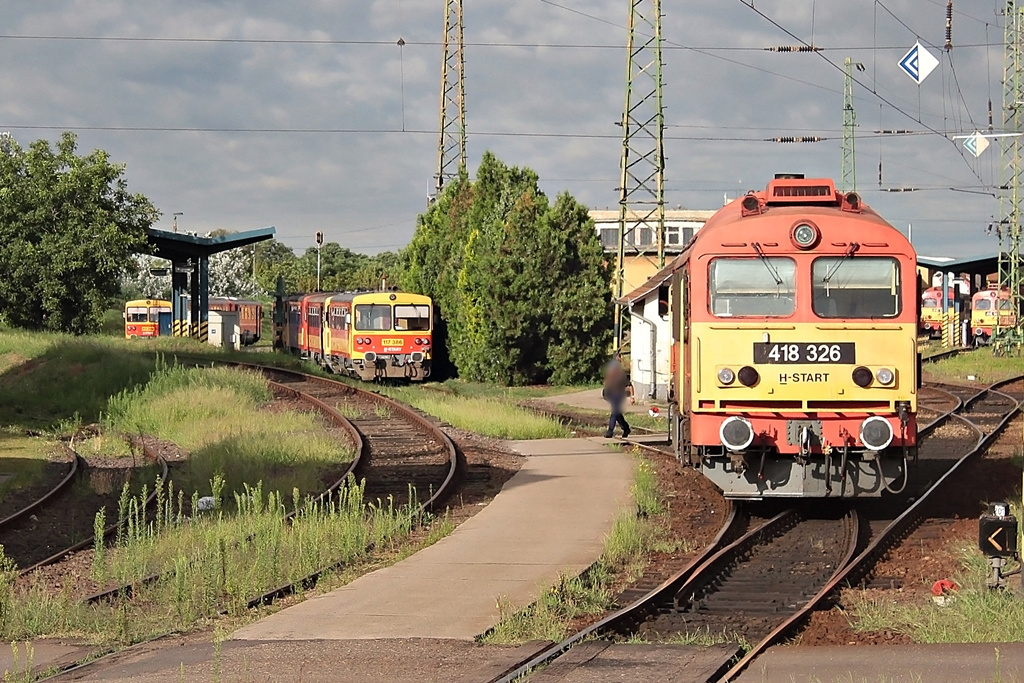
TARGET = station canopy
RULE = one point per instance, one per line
(976, 265)
(182, 246)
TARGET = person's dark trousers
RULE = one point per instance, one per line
(616, 417)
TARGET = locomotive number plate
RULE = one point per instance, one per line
(391, 342)
(801, 352)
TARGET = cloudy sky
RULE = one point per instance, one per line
(309, 116)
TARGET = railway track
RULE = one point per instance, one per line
(767, 570)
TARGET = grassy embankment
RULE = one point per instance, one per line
(215, 414)
(636, 533)
(977, 363)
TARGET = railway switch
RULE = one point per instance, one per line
(997, 539)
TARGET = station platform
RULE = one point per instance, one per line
(935, 663)
(550, 518)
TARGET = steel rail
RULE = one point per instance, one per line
(107, 531)
(332, 413)
(896, 530)
(76, 463)
(636, 611)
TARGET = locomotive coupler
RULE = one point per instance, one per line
(739, 462)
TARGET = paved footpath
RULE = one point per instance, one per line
(552, 517)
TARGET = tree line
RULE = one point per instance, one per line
(521, 283)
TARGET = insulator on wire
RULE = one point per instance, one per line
(795, 138)
(990, 113)
(793, 48)
(899, 189)
(879, 172)
(894, 131)
(949, 25)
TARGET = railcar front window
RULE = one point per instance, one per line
(138, 315)
(855, 287)
(373, 317)
(929, 303)
(762, 286)
(412, 317)
(983, 305)
(1004, 305)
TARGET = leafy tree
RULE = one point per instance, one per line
(522, 286)
(68, 232)
(275, 259)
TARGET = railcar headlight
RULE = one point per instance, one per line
(748, 376)
(876, 433)
(726, 376)
(805, 235)
(885, 376)
(862, 376)
(736, 433)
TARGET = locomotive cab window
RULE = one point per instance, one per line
(762, 286)
(137, 315)
(412, 317)
(929, 303)
(983, 305)
(373, 317)
(855, 287)
(1005, 305)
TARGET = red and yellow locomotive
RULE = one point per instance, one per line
(370, 335)
(796, 365)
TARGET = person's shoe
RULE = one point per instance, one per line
(608, 435)
(625, 432)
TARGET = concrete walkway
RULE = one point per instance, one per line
(551, 517)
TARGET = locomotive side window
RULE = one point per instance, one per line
(855, 287)
(373, 317)
(762, 286)
(412, 317)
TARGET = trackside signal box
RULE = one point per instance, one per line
(997, 532)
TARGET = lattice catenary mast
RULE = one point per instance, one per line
(642, 170)
(451, 144)
(849, 174)
(1009, 338)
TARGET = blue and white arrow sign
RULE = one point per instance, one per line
(918, 63)
(976, 144)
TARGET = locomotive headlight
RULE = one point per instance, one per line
(876, 433)
(726, 376)
(885, 376)
(805, 235)
(736, 433)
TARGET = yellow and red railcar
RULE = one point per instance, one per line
(145, 318)
(796, 364)
(369, 335)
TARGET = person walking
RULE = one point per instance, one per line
(617, 388)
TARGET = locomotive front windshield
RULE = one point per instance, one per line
(412, 317)
(373, 317)
(761, 286)
(983, 305)
(929, 303)
(855, 287)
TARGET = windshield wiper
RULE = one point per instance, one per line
(849, 254)
(768, 264)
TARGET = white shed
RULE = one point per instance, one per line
(224, 330)
(650, 336)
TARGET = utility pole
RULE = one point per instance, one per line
(319, 243)
(849, 174)
(451, 144)
(1008, 339)
(642, 167)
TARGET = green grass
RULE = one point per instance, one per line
(220, 416)
(499, 418)
(458, 387)
(623, 560)
(204, 568)
(979, 363)
(976, 615)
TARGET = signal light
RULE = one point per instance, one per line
(862, 376)
(748, 376)
(885, 376)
